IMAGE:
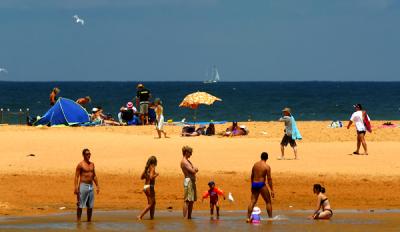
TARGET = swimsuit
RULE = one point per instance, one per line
(257, 185)
(86, 196)
(148, 186)
(316, 216)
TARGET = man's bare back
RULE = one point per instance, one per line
(260, 171)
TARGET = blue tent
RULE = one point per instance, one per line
(64, 112)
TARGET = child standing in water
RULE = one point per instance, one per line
(255, 215)
(213, 193)
(149, 175)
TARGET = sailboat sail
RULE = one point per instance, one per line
(214, 76)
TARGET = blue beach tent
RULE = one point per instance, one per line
(64, 112)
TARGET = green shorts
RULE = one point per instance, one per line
(190, 190)
(144, 108)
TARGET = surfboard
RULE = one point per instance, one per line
(367, 123)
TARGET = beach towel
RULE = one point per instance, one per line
(295, 131)
(336, 124)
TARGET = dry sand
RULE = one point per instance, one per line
(44, 182)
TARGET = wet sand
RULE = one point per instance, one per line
(41, 184)
(344, 220)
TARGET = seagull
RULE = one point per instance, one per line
(79, 20)
(3, 70)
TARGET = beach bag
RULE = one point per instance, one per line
(366, 121)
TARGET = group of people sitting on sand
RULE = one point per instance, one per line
(190, 130)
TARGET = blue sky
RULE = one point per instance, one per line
(177, 40)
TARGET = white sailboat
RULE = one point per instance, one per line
(214, 76)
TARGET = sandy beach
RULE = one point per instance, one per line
(37, 166)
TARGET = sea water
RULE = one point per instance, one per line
(241, 101)
(343, 220)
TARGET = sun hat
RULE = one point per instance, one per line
(256, 210)
(286, 109)
(211, 183)
(140, 85)
(129, 105)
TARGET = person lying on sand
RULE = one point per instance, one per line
(188, 131)
(98, 117)
(322, 203)
(236, 130)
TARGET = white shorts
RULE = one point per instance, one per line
(160, 123)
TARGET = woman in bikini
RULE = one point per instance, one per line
(149, 175)
(322, 203)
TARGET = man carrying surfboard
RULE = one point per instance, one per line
(362, 123)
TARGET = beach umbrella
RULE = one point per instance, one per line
(193, 100)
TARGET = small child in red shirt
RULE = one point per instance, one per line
(213, 193)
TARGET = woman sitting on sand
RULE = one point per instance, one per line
(149, 175)
(210, 129)
(322, 203)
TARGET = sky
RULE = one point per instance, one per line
(179, 40)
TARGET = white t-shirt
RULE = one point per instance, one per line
(357, 118)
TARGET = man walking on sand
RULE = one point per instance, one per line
(85, 175)
(189, 171)
(291, 133)
(259, 174)
(358, 118)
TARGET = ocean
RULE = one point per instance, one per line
(241, 101)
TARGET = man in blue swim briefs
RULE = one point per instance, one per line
(259, 174)
(84, 178)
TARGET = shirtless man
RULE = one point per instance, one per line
(84, 100)
(85, 175)
(189, 171)
(259, 174)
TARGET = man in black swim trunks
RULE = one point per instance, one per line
(143, 96)
(259, 174)
(287, 137)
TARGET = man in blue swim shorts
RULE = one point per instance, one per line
(260, 173)
(85, 175)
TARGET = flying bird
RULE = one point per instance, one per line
(3, 70)
(79, 20)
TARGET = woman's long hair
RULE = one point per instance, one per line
(151, 161)
(319, 188)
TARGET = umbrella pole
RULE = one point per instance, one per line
(195, 116)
